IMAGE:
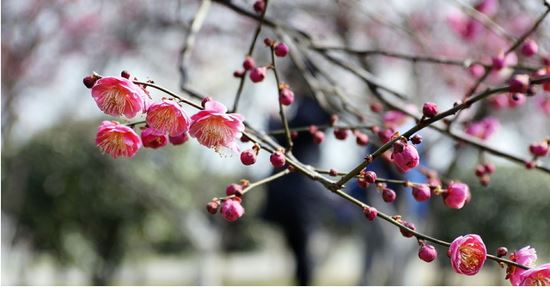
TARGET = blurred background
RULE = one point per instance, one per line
(71, 215)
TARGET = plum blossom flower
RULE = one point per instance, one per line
(525, 256)
(232, 209)
(406, 159)
(117, 139)
(168, 117)
(117, 96)
(467, 254)
(539, 276)
(152, 138)
(216, 129)
(457, 195)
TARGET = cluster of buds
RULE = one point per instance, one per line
(483, 172)
(366, 178)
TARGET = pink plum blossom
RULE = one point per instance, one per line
(467, 254)
(216, 129)
(117, 96)
(525, 256)
(168, 117)
(539, 276)
(117, 139)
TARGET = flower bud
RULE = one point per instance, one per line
(281, 50)
(416, 139)
(249, 63)
(405, 232)
(318, 137)
(212, 207)
(457, 195)
(248, 157)
(286, 96)
(406, 159)
(502, 251)
(277, 159)
(476, 70)
(388, 195)
(370, 213)
(427, 253)
(89, 81)
(429, 109)
(341, 133)
(258, 74)
(539, 149)
(370, 176)
(232, 209)
(125, 74)
(259, 6)
(361, 138)
(421, 192)
(234, 189)
(519, 83)
(529, 48)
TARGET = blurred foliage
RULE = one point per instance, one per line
(82, 207)
(512, 210)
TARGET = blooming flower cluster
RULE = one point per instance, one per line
(166, 121)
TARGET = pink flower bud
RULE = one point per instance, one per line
(388, 195)
(89, 81)
(268, 42)
(332, 172)
(499, 101)
(152, 138)
(370, 176)
(370, 213)
(421, 192)
(405, 232)
(318, 137)
(427, 253)
(117, 140)
(429, 109)
(529, 48)
(499, 62)
(232, 209)
(539, 149)
(167, 116)
(502, 251)
(248, 157)
(259, 6)
(125, 74)
(258, 74)
(516, 100)
(277, 159)
(249, 63)
(519, 83)
(234, 189)
(538, 276)
(361, 138)
(489, 167)
(385, 134)
(376, 107)
(480, 170)
(281, 50)
(341, 133)
(530, 164)
(286, 96)
(406, 159)
(467, 254)
(398, 146)
(457, 195)
(179, 139)
(476, 70)
(416, 139)
(212, 207)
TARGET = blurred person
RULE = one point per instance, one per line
(294, 202)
